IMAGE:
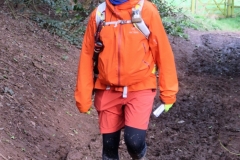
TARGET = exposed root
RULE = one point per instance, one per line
(238, 154)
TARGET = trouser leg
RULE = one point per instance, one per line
(135, 142)
(110, 146)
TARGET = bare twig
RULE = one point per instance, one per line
(12, 66)
(24, 16)
(13, 13)
(3, 157)
(39, 67)
(14, 84)
(34, 5)
(238, 154)
(13, 99)
(4, 69)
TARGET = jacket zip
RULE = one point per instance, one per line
(119, 53)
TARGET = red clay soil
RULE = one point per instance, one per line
(39, 119)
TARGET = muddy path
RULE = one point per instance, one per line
(39, 119)
(205, 122)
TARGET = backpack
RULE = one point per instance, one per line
(136, 20)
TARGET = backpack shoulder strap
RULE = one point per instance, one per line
(140, 24)
(140, 5)
(100, 13)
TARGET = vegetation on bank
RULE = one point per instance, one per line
(67, 18)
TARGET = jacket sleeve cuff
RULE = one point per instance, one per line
(168, 99)
(82, 109)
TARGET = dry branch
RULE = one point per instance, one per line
(3, 157)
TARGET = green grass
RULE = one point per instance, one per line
(204, 6)
(225, 24)
(229, 24)
(187, 3)
(214, 20)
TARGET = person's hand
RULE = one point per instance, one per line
(161, 108)
(167, 107)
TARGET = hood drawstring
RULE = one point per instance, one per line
(117, 2)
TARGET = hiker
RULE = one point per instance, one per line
(132, 45)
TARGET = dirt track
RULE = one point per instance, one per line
(39, 120)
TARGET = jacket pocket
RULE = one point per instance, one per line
(147, 59)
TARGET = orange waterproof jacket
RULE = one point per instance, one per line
(128, 58)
